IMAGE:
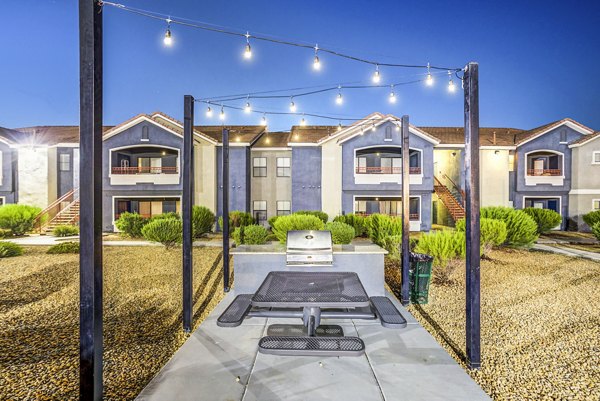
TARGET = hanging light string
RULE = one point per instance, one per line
(317, 49)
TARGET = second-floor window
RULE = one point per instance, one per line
(284, 208)
(259, 167)
(64, 162)
(259, 211)
(596, 204)
(284, 168)
(596, 158)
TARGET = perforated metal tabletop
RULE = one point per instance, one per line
(286, 289)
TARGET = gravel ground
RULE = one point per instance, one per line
(39, 318)
(540, 325)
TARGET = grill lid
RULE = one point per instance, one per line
(309, 248)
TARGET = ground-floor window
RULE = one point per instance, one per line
(259, 211)
(284, 208)
(596, 204)
(389, 206)
(543, 203)
(1, 200)
(147, 207)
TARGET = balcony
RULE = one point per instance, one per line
(144, 165)
(383, 164)
(144, 170)
(386, 170)
(544, 167)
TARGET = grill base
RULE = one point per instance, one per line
(311, 346)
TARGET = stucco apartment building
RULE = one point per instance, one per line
(355, 169)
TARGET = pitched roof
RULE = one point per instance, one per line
(44, 135)
(311, 133)
(487, 136)
(586, 138)
(273, 140)
(237, 133)
(532, 133)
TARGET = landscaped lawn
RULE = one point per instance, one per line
(540, 325)
(39, 318)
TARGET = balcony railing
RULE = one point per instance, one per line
(411, 216)
(544, 172)
(386, 170)
(143, 170)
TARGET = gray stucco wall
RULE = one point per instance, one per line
(564, 202)
(306, 178)
(7, 189)
(239, 184)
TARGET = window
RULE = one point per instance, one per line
(64, 162)
(145, 135)
(596, 158)
(1, 200)
(149, 165)
(284, 208)
(388, 133)
(259, 210)
(563, 136)
(259, 167)
(596, 204)
(1, 168)
(283, 167)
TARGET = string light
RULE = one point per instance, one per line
(373, 127)
(248, 50)
(263, 121)
(397, 127)
(376, 75)
(339, 98)
(209, 112)
(292, 105)
(362, 131)
(392, 97)
(168, 40)
(316, 61)
(339, 127)
(222, 114)
(303, 122)
(248, 108)
(451, 86)
(429, 79)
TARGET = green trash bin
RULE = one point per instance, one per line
(419, 275)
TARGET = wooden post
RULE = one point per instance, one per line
(404, 290)
(225, 161)
(471, 87)
(90, 195)
(187, 201)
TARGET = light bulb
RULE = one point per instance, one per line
(296, 136)
(237, 138)
(451, 86)
(168, 40)
(397, 127)
(429, 79)
(376, 75)
(339, 98)
(362, 131)
(248, 108)
(222, 114)
(373, 127)
(292, 106)
(316, 61)
(263, 121)
(209, 112)
(303, 122)
(339, 128)
(392, 97)
(248, 50)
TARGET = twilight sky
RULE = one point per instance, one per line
(538, 59)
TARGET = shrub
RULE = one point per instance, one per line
(392, 245)
(162, 216)
(168, 232)
(64, 247)
(355, 220)
(381, 226)
(5, 233)
(341, 233)
(131, 224)
(295, 222)
(65, 231)
(18, 218)
(596, 230)
(250, 235)
(492, 233)
(317, 213)
(203, 220)
(521, 228)
(590, 218)
(237, 218)
(545, 219)
(272, 220)
(271, 237)
(447, 248)
(10, 249)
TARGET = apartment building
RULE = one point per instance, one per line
(355, 169)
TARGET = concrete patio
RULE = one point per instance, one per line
(224, 364)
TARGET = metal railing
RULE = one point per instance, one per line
(54, 208)
(386, 170)
(143, 170)
(544, 172)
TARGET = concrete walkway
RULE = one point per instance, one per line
(577, 253)
(219, 364)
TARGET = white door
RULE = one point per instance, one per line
(538, 167)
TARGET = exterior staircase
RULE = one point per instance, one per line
(450, 200)
(67, 216)
(63, 211)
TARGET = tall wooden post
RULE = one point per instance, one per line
(90, 195)
(187, 201)
(471, 87)
(225, 169)
(404, 290)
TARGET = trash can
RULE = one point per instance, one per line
(419, 275)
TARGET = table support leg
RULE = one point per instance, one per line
(312, 319)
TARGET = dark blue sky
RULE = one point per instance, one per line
(538, 59)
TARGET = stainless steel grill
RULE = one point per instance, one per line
(309, 248)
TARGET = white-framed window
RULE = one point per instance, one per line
(284, 208)
(284, 167)
(596, 157)
(2, 200)
(595, 204)
(64, 162)
(145, 134)
(1, 169)
(259, 211)
(259, 167)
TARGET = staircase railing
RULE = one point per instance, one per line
(53, 209)
(456, 188)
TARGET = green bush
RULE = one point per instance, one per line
(317, 213)
(64, 247)
(381, 226)
(5, 233)
(237, 218)
(447, 248)
(272, 220)
(250, 235)
(271, 237)
(295, 222)
(521, 228)
(131, 224)
(341, 233)
(392, 245)
(203, 220)
(18, 218)
(596, 230)
(65, 231)
(10, 249)
(162, 216)
(355, 220)
(545, 219)
(168, 232)
(590, 218)
(492, 233)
